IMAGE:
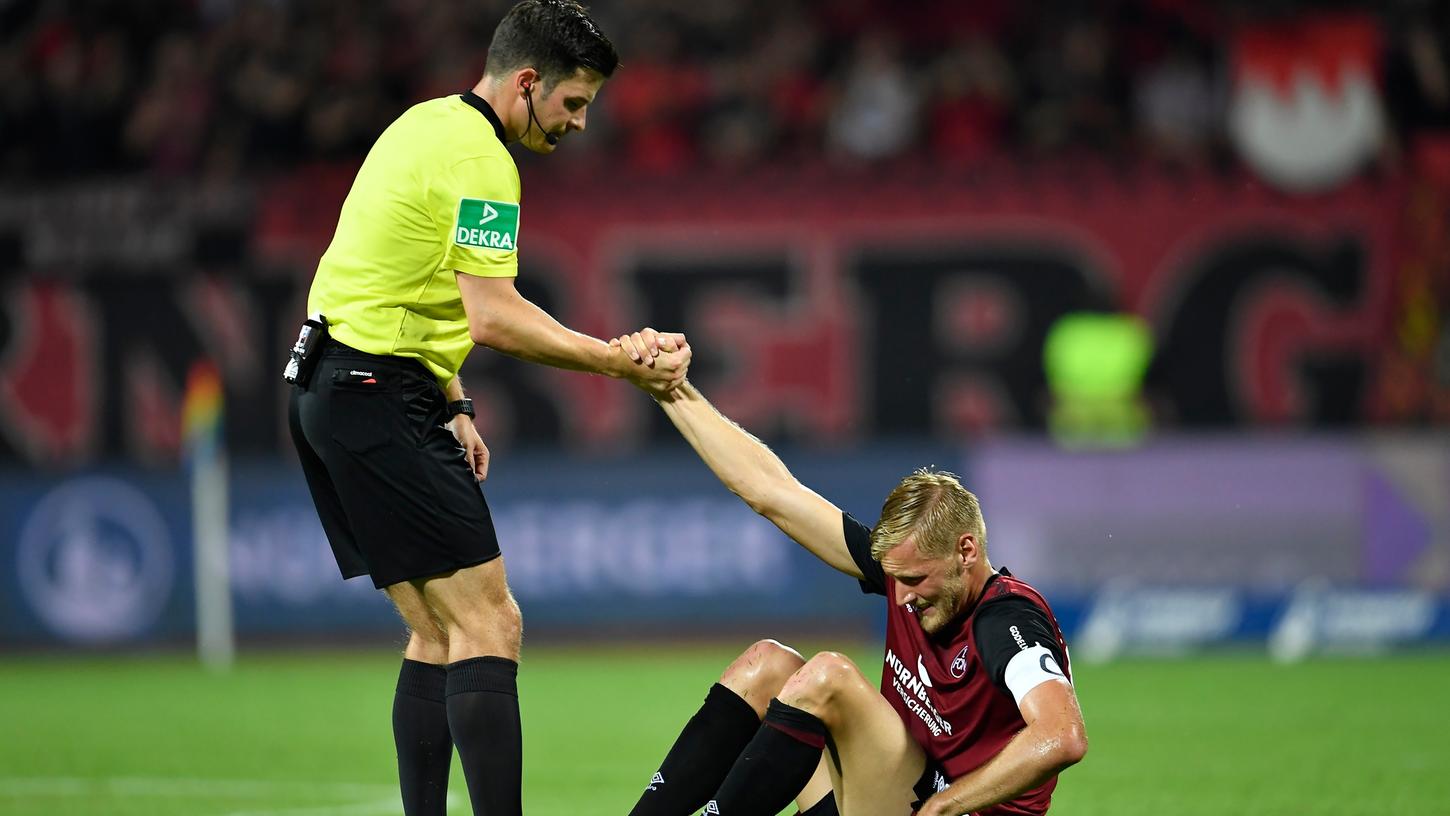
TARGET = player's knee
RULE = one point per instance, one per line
(761, 671)
(821, 684)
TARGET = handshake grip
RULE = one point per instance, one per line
(660, 359)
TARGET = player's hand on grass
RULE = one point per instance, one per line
(474, 451)
(661, 359)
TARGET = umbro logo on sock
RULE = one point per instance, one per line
(659, 779)
(712, 808)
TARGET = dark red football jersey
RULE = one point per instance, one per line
(948, 698)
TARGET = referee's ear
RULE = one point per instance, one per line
(525, 81)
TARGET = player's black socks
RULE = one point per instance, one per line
(701, 756)
(483, 716)
(420, 732)
(776, 764)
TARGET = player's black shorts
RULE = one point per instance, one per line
(396, 496)
(933, 780)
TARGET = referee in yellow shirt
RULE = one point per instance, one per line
(420, 270)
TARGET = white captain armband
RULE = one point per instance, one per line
(1029, 669)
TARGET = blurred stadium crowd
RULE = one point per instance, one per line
(219, 88)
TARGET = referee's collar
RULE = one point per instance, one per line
(476, 102)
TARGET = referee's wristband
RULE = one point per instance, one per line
(463, 406)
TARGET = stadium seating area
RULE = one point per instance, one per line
(219, 88)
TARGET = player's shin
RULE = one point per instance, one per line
(775, 766)
(700, 757)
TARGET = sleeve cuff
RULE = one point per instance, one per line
(484, 270)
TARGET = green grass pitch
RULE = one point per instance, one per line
(298, 734)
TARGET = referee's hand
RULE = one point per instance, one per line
(662, 358)
(646, 344)
(474, 451)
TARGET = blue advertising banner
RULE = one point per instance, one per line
(637, 545)
(1302, 547)
(93, 559)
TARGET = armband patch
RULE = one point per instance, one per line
(1029, 669)
(487, 224)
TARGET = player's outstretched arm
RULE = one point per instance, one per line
(754, 473)
(1054, 739)
(504, 320)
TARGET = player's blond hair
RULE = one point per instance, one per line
(933, 506)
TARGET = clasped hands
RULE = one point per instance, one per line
(661, 359)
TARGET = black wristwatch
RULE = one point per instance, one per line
(463, 406)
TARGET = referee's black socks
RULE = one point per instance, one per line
(701, 756)
(420, 732)
(483, 717)
(776, 765)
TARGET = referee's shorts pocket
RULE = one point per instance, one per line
(361, 416)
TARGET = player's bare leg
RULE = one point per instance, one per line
(826, 702)
(483, 627)
(879, 763)
(783, 761)
(760, 672)
(818, 788)
(757, 676)
(420, 716)
(712, 739)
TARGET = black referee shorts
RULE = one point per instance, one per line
(395, 494)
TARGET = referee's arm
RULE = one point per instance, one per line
(504, 320)
(753, 472)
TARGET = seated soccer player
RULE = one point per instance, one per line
(976, 712)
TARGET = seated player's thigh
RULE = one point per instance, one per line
(880, 762)
(876, 762)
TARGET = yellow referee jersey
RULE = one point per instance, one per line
(438, 192)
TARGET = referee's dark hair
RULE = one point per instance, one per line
(554, 37)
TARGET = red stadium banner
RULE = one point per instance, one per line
(827, 306)
(824, 306)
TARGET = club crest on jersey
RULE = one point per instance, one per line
(487, 224)
(959, 664)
